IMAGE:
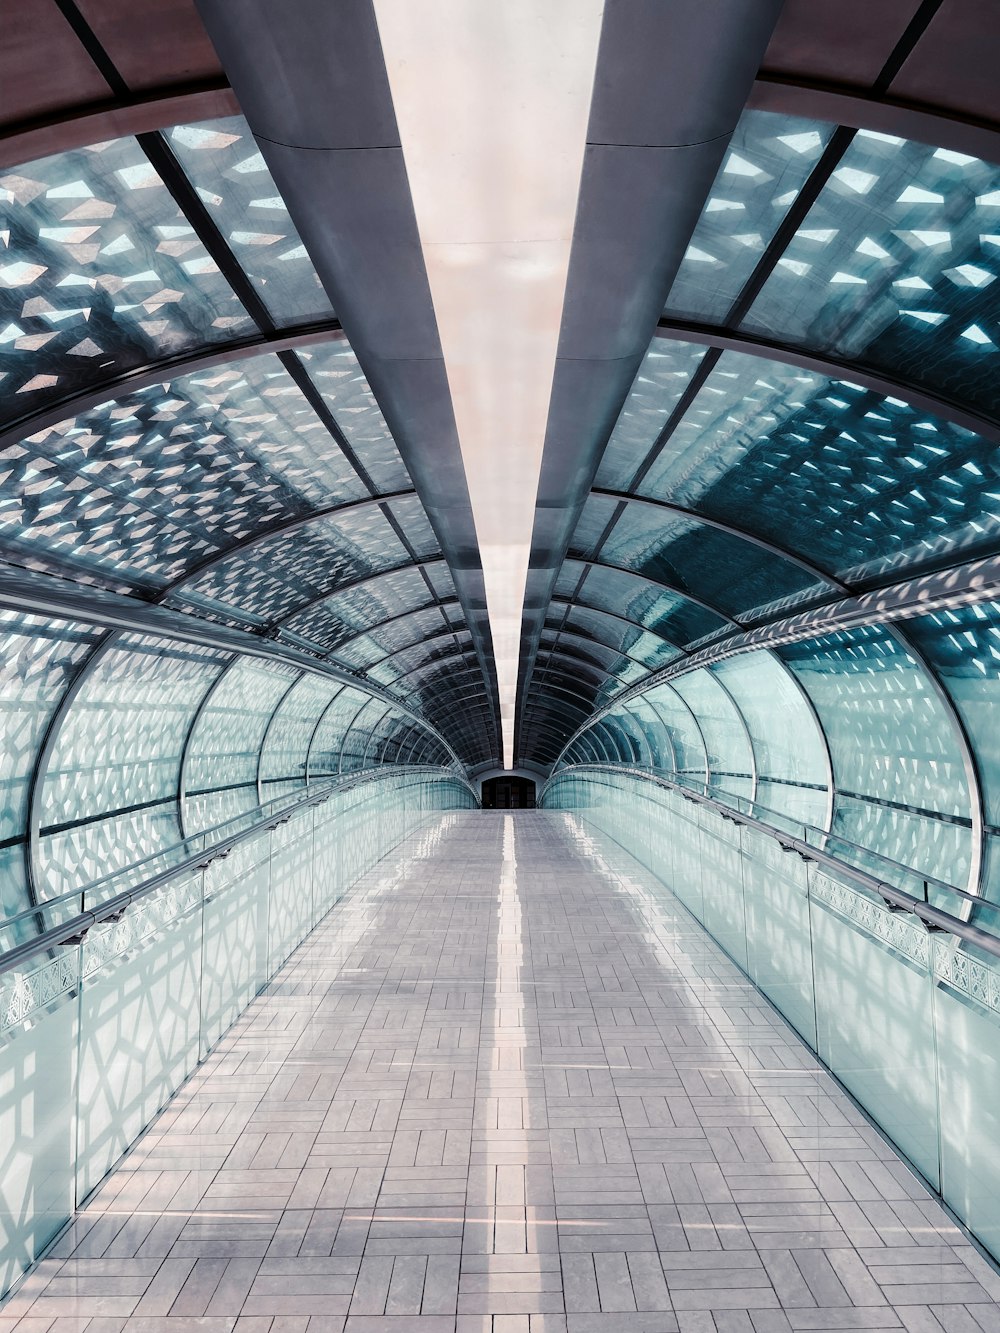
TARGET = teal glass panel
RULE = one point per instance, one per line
(110, 792)
(234, 951)
(767, 163)
(779, 936)
(139, 1022)
(963, 646)
(889, 734)
(720, 864)
(638, 643)
(666, 613)
(101, 273)
(662, 378)
(361, 651)
(286, 743)
(290, 907)
(731, 575)
(874, 1019)
(657, 735)
(324, 754)
(222, 161)
(894, 268)
(632, 736)
(38, 1066)
(935, 847)
(685, 735)
(856, 483)
(967, 1011)
(274, 578)
(730, 760)
(607, 660)
(786, 739)
(38, 658)
(220, 776)
(338, 618)
(334, 370)
(144, 488)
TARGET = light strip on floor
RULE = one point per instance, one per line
(492, 102)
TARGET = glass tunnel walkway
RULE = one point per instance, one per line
(509, 1084)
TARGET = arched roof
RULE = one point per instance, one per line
(226, 420)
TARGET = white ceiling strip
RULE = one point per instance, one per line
(492, 101)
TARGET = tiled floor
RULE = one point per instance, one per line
(502, 1088)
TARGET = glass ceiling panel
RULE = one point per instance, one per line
(856, 483)
(100, 273)
(286, 744)
(894, 267)
(361, 652)
(345, 614)
(139, 489)
(768, 161)
(422, 655)
(738, 578)
(639, 645)
(590, 652)
(412, 518)
(222, 162)
(441, 580)
(324, 754)
(665, 613)
(275, 577)
(662, 378)
(334, 370)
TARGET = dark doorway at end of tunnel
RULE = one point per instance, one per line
(508, 794)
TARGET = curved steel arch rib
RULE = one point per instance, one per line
(771, 548)
(726, 339)
(116, 118)
(170, 368)
(656, 583)
(593, 609)
(813, 100)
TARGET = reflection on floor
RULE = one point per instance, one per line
(504, 1087)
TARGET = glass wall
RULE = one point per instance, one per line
(95, 1037)
(908, 1020)
(119, 747)
(880, 737)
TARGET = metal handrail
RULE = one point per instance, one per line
(933, 917)
(112, 908)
